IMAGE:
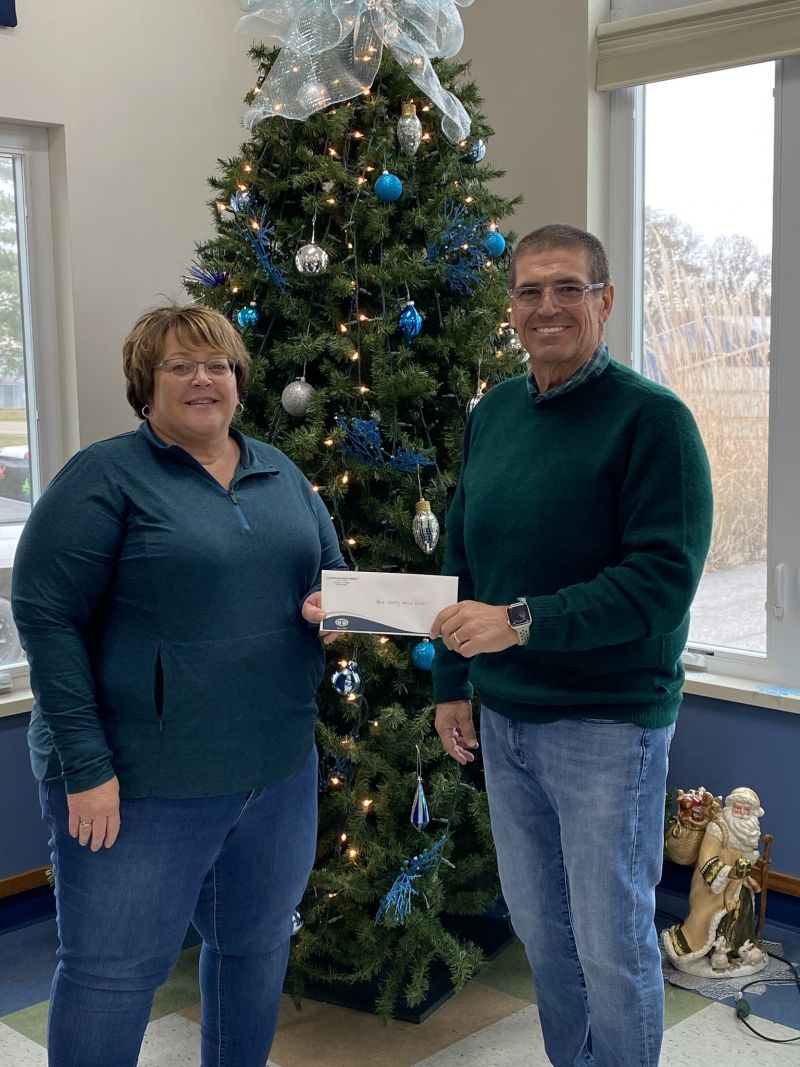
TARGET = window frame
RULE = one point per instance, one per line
(777, 673)
(29, 147)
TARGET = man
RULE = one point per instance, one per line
(721, 920)
(578, 532)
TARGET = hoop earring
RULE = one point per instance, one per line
(239, 408)
(146, 411)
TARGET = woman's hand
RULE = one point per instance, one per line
(94, 815)
(312, 612)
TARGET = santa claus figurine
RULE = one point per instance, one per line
(717, 938)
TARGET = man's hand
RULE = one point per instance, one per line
(470, 627)
(455, 729)
(313, 612)
(94, 815)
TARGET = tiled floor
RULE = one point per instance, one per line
(493, 1022)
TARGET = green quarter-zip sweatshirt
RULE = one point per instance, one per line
(161, 617)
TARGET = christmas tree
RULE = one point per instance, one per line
(360, 253)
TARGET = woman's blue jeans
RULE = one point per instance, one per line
(236, 866)
(577, 811)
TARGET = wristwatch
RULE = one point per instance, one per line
(519, 619)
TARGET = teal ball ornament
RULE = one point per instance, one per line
(410, 321)
(248, 317)
(475, 152)
(495, 244)
(388, 188)
(423, 654)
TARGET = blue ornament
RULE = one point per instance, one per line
(410, 321)
(423, 654)
(420, 816)
(476, 151)
(388, 187)
(248, 317)
(495, 244)
(347, 679)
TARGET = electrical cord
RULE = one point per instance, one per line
(742, 1007)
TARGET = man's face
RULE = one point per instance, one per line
(559, 340)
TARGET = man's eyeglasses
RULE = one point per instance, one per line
(183, 367)
(563, 295)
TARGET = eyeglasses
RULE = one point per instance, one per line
(183, 367)
(563, 295)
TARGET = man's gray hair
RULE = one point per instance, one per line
(560, 235)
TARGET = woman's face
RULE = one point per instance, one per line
(196, 409)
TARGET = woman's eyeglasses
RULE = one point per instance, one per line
(183, 367)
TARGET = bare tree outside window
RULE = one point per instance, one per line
(706, 325)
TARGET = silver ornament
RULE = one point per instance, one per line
(311, 259)
(297, 396)
(409, 130)
(425, 527)
(473, 402)
(297, 922)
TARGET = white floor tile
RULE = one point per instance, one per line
(723, 1039)
(171, 1041)
(20, 1051)
(513, 1042)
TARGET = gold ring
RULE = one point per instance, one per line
(83, 824)
(456, 637)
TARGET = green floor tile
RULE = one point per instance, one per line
(181, 988)
(679, 1004)
(30, 1022)
(510, 973)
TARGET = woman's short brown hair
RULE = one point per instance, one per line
(195, 327)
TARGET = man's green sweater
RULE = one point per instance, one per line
(595, 506)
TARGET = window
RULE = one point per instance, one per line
(28, 367)
(706, 224)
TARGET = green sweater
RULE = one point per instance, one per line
(595, 506)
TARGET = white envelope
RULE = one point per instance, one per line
(371, 602)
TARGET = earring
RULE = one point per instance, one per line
(146, 411)
(239, 408)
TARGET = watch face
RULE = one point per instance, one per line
(519, 615)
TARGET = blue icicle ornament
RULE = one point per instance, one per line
(420, 817)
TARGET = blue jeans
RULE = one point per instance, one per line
(577, 810)
(236, 866)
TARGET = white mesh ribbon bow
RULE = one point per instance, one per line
(331, 51)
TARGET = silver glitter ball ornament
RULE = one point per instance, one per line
(311, 259)
(409, 130)
(297, 922)
(473, 402)
(425, 527)
(297, 396)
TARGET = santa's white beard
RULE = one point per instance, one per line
(745, 829)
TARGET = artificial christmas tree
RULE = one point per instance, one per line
(360, 254)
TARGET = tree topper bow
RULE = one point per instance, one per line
(331, 51)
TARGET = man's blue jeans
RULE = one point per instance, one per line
(234, 865)
(577, 810)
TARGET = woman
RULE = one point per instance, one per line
(165, 589)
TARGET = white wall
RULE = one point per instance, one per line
(143, 97)
(533, 61)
